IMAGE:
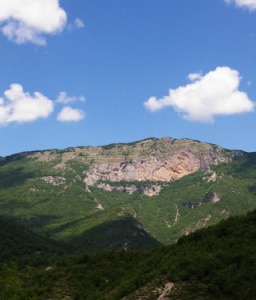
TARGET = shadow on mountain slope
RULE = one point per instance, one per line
(22, 246)
(124, 233)
(14, 176)
(243, 166)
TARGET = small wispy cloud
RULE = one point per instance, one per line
(76, 24)
(79, 23)
(250, 4)
(215, 93)
(17, 106)
(69, 114)
(65, 99)
(194, 76)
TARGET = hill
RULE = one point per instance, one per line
(23, 247)
(217, 262)
(131, 196)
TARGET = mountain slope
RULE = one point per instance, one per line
(62, 193)
(19, 245)
(213, 263)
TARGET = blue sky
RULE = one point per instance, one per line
(79, 73)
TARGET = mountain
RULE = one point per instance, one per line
(126, 196)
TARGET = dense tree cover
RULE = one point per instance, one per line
(23, 247)
(217, 262)
(222, 258)
(214, 263)
(124, 233)
(65, 210)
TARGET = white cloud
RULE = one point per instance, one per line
(250, 4)
(21, 107)
(69, 114)
(215, 93)
(65, 99)
(77, 24)
(30, 20)
(194, 76)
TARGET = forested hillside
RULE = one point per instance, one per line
(213, 263)
(49, 192)
(72, 229)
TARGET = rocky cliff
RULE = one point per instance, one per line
(153, 160)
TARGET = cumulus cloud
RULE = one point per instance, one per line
(215, 93)
(20, 107)
(250, 4)
(69, 114)
(65, 99)
(25, 21)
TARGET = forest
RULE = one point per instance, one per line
(217, 262)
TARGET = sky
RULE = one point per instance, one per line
(96, 72)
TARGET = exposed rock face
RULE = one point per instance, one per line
(152, 168)
(54, 180)
(157, 160)
(215, 198)
(165, 294)
(151, 190)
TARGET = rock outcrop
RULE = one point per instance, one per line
(149, 190)
(155, 161)
(54, 180)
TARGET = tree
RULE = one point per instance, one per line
(10, 283)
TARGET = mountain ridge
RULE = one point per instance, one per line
(111, 145)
